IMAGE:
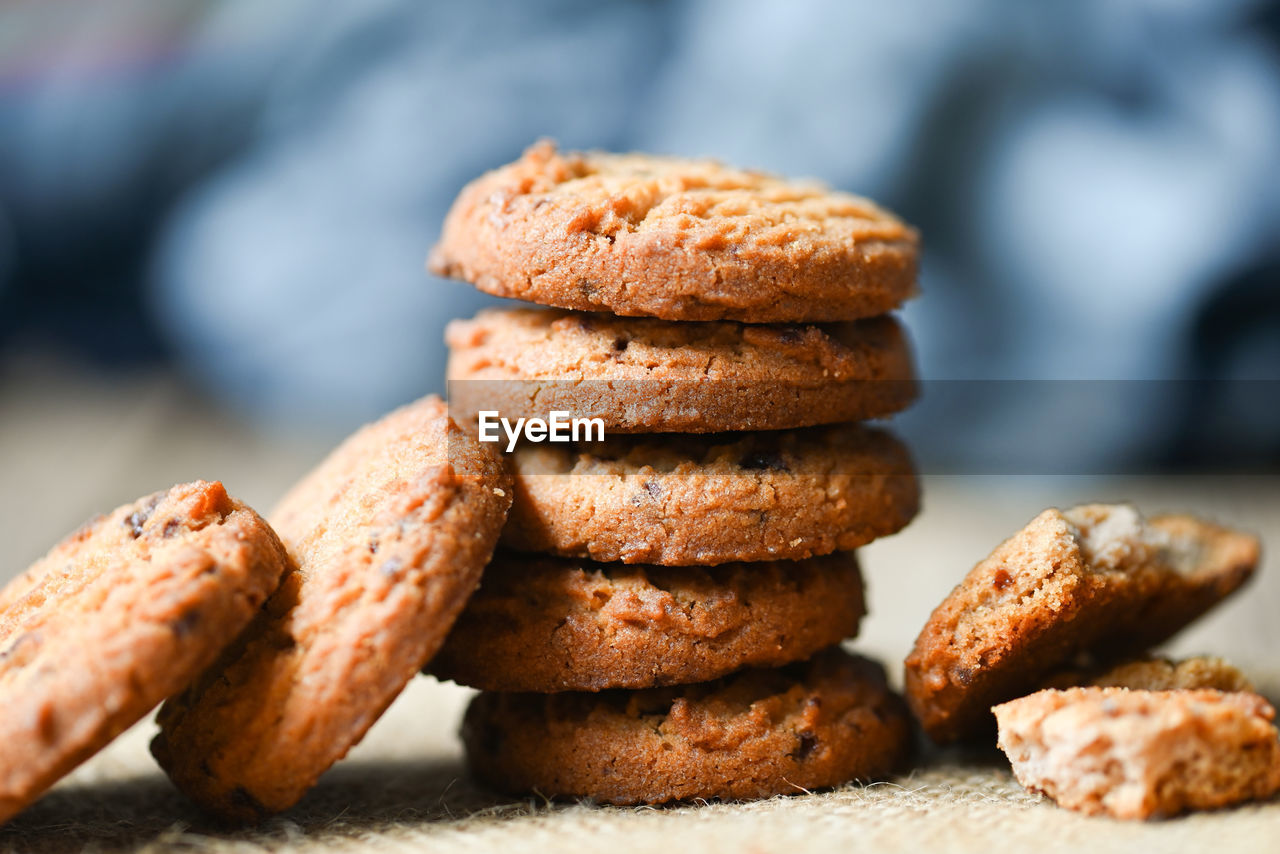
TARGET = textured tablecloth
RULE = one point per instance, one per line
(70, 447)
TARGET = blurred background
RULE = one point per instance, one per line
(214, 216)
(244, 192)
(223, 206)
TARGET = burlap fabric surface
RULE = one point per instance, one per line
(67, 451)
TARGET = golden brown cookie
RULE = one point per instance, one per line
(389, 535)
(639, 235)
(751, 735)
(1140, 754)
(1096, 579)
(1158, 674)
(650, 376)
(683, 500)
(122, 614)
(549, 624)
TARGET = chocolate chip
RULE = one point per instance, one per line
(808, 742)
(1001, 579)
(138, 518)
(134, 522)
(373, 544)
(620, 344)
(760, 460)
(184, 625)
(790, 334)
(170, 528)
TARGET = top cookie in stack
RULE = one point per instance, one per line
(683, 297)
(643, 236)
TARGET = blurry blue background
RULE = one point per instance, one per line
(246, 191)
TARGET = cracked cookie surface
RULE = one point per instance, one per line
(122, 614)
(684, 500)
(547, 624)
(640, 375)
(754, 734)
(389, 535)
(1139, 754)
(641, 235)
(1096, 580)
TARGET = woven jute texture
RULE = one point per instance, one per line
(406, 789)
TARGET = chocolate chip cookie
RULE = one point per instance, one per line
(119, 616)
(558, 624)
(389, 536)
(635, 234)
(640, 375)
(754, 734)
(703, 500)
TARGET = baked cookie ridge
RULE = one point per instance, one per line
(547, 624)
(677, 239)
(754, 734)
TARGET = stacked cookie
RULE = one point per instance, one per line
(664, 619)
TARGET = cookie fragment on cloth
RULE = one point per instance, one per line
(1140, 754)
(1097, 580)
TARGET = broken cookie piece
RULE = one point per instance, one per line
(1158, 674)
(1096, 580)
(1141, 754)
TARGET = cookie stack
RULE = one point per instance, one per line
(664, 618)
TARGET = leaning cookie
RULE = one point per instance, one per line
(389, 535)
(634, 234)
(751, 735)
(1096, 579)
(548, 624)
(705, 500)
(639, 375)
(121, 615)
(1139, 754)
